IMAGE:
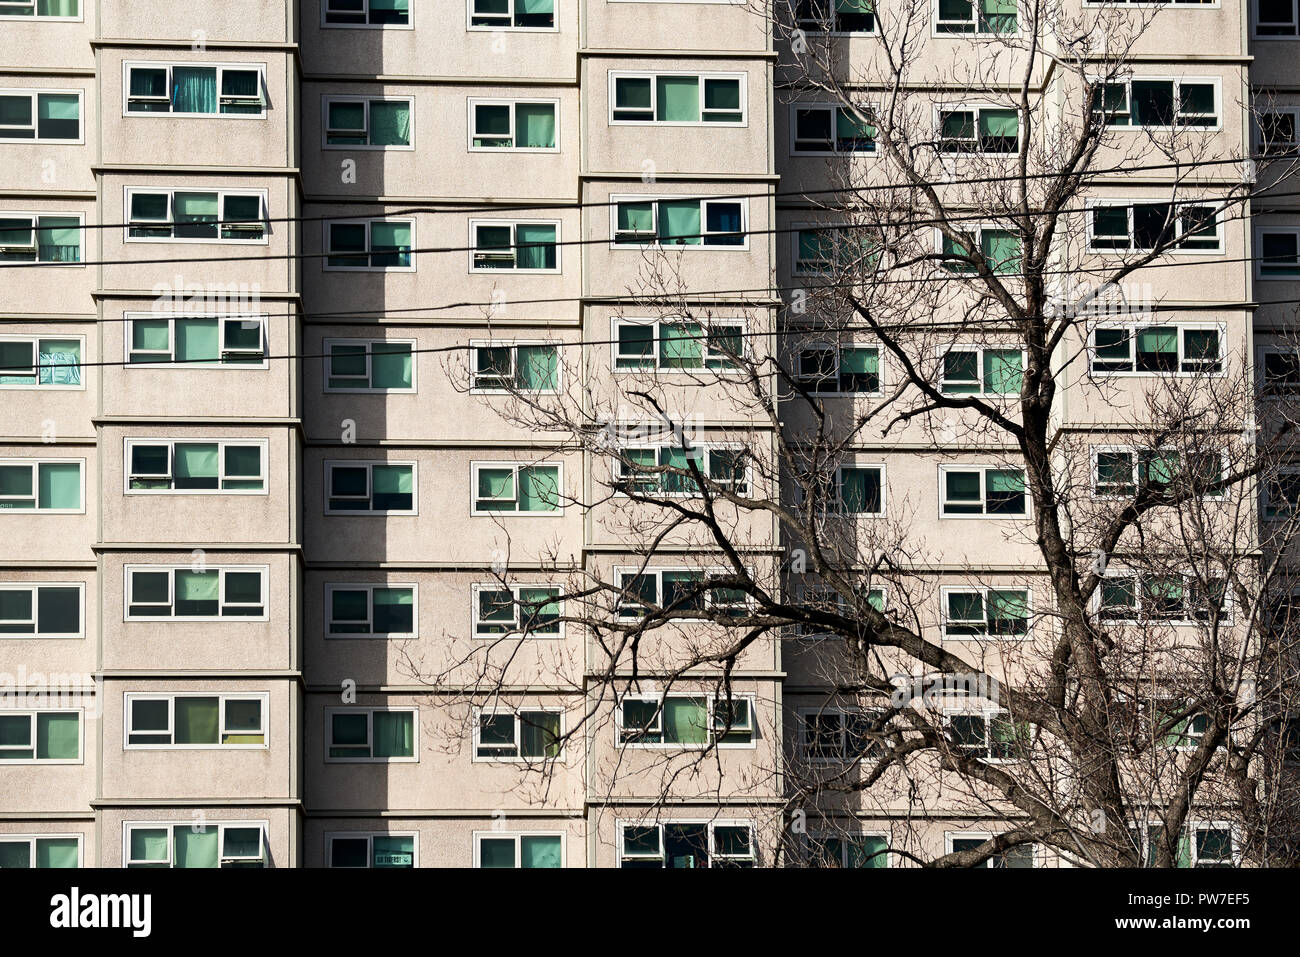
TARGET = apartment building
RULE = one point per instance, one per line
(266, 481)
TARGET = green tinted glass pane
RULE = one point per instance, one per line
(243, 460)
(1001, 249)
(241, 842)
(390, 365)
(679, 99)
(394, 611)
(539, 488)
(394, 734)
(1003, 370)
(496, 852)
(392, 479)
(636, 217)
(243, 715)
(679, 222)
(347, 116)
(16, 609)
(1006, 480)
(198, 340)
(535, 123)
(196, 721)
(152, 334)
(148, 844)
(58, 736)
(849, 127)
(195, 849)
(963, 486)
(16, 730)
(685, 720)
(15, 480)
(57, 852)
(393, 851)
(540, 851)
(536, 246)
(349, 729)
(1164, 339)
(999, 123)
(390, 123)
(496, 488)
(492, 119)
(195, 465)
(58, 485)
(632, 93)
(681, 346)
(538, 367)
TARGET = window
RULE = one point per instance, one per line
(40, 610)
(379, 849)
(1282, 493)
(832, 370)
(370, 611)
(836, 735)
(1276, 132)
(1158, 104)
(369, 365)
(676, 590)
(195, 90)
(370, 734)
(369, 244)
(370, 123)
(1201, 845)
(30, 737)
(686, 720)
(181, 216)
(532, 610)
(1021, 855)
(374, 488)
(975, 16)
(164, 844)
(363, 13)
(1173, 724)
(830, 601)
(1144, 227)
(512, 124)
(48, 486)
(981, 370)
(1279, 254)
(498, 849)
(41, 10)
(203, 341)
(53, 850)
(982, 491)
(831, 129)
(989, 736)
(687, 844)
(1276, 18)
(673, 345)
(512, 14)
(836, 16)
(979, 612)
(165, 465)
(1161, 597)
(848, 851)
(40, 116)
(979, 129)
(523, 247)
(530, 734)
(1280, 371)
(835, 249)
(234, 591)
(515, 489)
(33, 238)
(1119, 472)
(1000, 249)
(196, 720)
(505, 367)
(680, 222)
(40, 362)
(677, 98)
(1157, 350)
(637, 471)
(855, 490)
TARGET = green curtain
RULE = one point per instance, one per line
(534, 6)
(195, 849)
(849, 127)
(198, 586)
(394, 734)
(538, 368)
(1003, 369)
(392, 487)
(195, 465)
(59, 107)
(58, 239)
(57, 8)
(679, 222)
(855, 6)
(390, 244)
(535, 125)
(636, 218)
(999, 123)
(58, 736)
(58, 485)
(1002, 250)
(539, 488)
(148, 844)
(536, 246)
(868, 851)
(1000, 15)
(60, 362)
(678, 99)
(685, 720)
(390, 123)
(390, 365)
(198, 340)
(56, 852)
(196, 718)
(1006, 480)
(681, 345)
(1007, 604)
(540, 851)
(1162, 339)
(496, 484)
(194, 89)
(153, 335)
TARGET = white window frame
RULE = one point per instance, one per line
(811, 26)
(34, 588)
(369, 589)
(35, 340)
(328, 99)
(479, 836)
(616, 199)
(1142, 618)
(988, 713)
(976, 108)
(948, 836)
(622, 572)
(1136, 452)
(514, 225)
(705, 466)
(1294, 231)
(936, 33)
(706, 325)
(984, 515)
(30, 714)
(35, 217)
(941, 352)
(330, 464)
(476, 466)
(171, 570)
(262, 320)
(34, 464)
(513, 346)
(327, 251)
(170, 697)
(37, 18)
(1173, 250)
(128, 192)
(818, 839)
(168, 825)
(805, 741)
(516, 632)
(945, 622)
(369, 344)
(369, 838)
(480, 713)
(511, 102)
(977, 230)
(712, 699)
(1127, 84)
(80, 139)
(492, 28)
(1132, 328)
(1234, 832)
(413, 710)
(263, 445)
(822, 594)
(833, 500)
(833, 108)
(651, 75)
(31, 839)
(837, 348)
(258, 68)
(622, 823)
(409, 25)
